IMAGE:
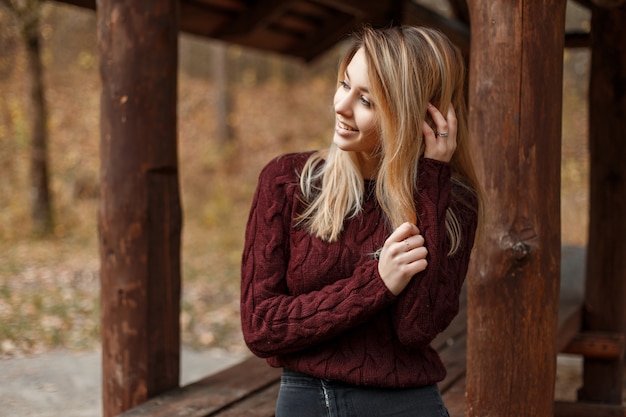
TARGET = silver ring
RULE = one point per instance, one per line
(408, 247)
(442, 134)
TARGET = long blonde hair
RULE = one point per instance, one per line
(408, 68)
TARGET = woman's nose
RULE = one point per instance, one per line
(342, 104)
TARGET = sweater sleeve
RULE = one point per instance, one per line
(431, 300)
(275, 322)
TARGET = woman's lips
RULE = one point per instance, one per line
(344, 126)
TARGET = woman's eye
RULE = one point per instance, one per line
(344, 85)
(366, 102)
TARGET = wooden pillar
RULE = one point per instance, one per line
(605, 293)
(140, 213)
(513, 287)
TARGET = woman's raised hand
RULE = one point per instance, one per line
(403, 255)
(440, 144)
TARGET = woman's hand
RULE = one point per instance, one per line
(403, 255)
(440, 144)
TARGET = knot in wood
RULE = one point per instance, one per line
(520, 250)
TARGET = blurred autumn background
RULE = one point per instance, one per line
(49, 265)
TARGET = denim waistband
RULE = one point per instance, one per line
(304, 379)
(322, 396)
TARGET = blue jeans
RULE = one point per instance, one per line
(301, 395)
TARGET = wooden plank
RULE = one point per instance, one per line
(605, 293)
(454, 358)
(513, 286)
(261, 404)
(214, 393)
(140, 213)
(597, 345)
(581, 409)
(454, 398)
(250, 388)
(456, 329)
(570, 322)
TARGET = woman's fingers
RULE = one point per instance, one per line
(403, 256)
(441, 142)
(404, 231)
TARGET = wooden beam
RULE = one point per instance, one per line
(609, 3)
(580, 409)
(513, 287)
(140, 212)
(460, 10)
(329, 34)
(605, 293)
(570, 322)
(597, 345)
(198, 19)
(89, 4)
(577, 39)
(259, 16)
(588, 4)
(457, 31)
(358, 8)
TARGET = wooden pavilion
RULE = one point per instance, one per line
(517, 316)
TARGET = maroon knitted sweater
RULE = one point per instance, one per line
(322, 308)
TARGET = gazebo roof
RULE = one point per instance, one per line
(306, 28)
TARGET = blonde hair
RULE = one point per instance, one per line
(408, 68)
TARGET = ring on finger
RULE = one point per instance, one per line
(408, 246)
(441, 134)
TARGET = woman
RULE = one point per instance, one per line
(355, 255)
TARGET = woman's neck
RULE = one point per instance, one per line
(368, 165)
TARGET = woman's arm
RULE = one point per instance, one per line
(273, 320)
(431, 299)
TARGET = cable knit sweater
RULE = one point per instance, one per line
(322, 308)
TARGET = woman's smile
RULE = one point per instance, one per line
(344, 126)
(356, 128)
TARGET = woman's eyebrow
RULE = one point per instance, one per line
(363, 89)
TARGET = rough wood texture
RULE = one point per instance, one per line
(605, 301)
(513, 292)
(140, 213)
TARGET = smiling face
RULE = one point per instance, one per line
(356, 128)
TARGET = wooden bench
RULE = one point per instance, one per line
(249, 388)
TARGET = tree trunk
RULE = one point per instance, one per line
(513, 286)
(40, 183)
(28, 17)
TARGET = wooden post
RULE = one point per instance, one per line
(605, 293)
(140, 214)
(513, 287)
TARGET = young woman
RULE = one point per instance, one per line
(355, 255)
